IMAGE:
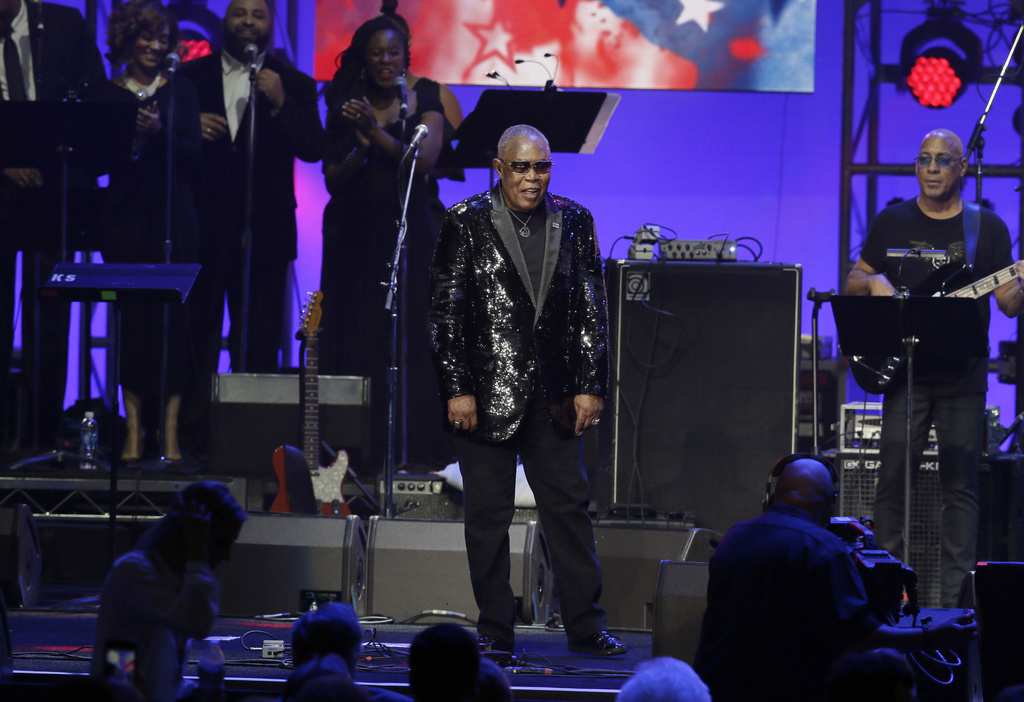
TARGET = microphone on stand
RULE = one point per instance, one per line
(173, 61)
(404, 109)
(250, 58)
(494, 75)
(550, 84)
(418, 135)
(557, 63)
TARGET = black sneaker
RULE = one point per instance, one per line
(600, 643)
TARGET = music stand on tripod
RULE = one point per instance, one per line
(910, 328)
(117, 283)
(92, 137)
(573, 122)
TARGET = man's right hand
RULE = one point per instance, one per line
(214, 126)
(462, 412)
(24, 177)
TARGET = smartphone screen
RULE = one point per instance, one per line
(120, 658)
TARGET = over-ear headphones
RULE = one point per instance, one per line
(780, 465)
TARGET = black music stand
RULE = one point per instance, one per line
(93, 136)
(912, 328)
(573, 122)
(117, 283)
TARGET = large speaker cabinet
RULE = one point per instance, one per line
(1000, 524)
(704, 384)
(291, 562)
(418, 566)
(254, 413)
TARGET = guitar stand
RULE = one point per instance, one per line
(366, 494)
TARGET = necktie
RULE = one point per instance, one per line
(12, 63)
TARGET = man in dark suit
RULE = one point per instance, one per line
(520, 330)
(287, 127)
(30, 203)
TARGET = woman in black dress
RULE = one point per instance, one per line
(367, 173)
(140, 34)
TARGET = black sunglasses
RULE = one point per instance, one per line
(522, 167)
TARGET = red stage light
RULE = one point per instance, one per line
(934, 82)
(940, 58)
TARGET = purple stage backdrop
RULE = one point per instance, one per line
(757, 164)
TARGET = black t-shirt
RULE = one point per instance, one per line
(905, 226)
(532, 246)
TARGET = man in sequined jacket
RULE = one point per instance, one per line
(520, 333)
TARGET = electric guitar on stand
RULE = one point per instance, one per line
(304, 486)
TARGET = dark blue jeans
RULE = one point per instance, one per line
(559, 483)
(959, 426)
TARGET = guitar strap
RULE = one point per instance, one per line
(972, 225)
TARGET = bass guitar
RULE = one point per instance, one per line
(877, 375)
(303, 484)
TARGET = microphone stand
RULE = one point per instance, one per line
(818, 299)
(977, 141)
(168, 221)
(247, 228)
(391, 303)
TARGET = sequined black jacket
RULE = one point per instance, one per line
(491, 339)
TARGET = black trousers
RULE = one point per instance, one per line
(559, 482)
(959, 426)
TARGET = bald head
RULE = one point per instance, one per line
(807, 484)
(952, 142)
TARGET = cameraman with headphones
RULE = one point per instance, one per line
(785, 599)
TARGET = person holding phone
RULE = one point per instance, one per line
(163, 592)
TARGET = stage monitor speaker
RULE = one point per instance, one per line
(21, 562)
(680, 598)
(704, 385)
(630, 556)
(254, 413)
(998, 601)
(418, 570)
(292, 562)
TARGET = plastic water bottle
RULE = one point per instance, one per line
(89, 435)
(211, 673)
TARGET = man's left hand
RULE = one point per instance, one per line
(269, 83)
(588, 411)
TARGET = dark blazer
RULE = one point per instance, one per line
(29, 217)
(492, 339)
(294, 132)
(71, 61)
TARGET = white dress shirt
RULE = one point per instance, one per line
(236, 88)
(19, 34)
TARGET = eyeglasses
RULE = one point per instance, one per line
(523, 167)
(941, 160)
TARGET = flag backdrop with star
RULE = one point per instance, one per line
(749, 45)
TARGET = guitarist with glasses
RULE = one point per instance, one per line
(950, 394)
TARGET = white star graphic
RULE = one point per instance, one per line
(698, 11)
(494, 41)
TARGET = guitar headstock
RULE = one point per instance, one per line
(311, 314)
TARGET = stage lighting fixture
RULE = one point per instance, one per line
(939, 59)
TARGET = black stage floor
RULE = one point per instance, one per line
(55, 638)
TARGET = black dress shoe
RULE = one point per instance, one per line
(600, 643)
(497, 650)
